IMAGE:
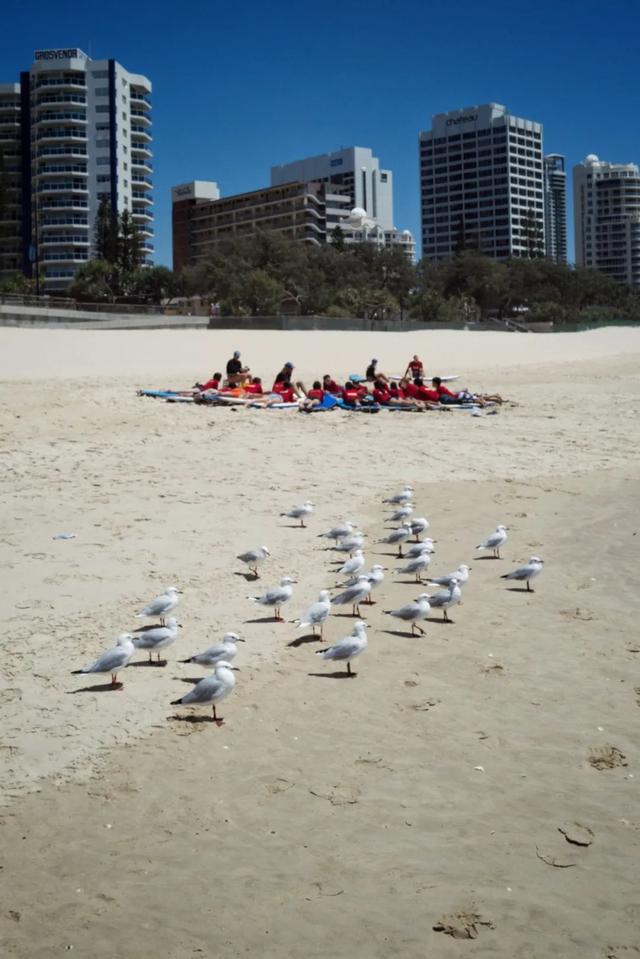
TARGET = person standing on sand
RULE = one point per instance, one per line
(414, 368)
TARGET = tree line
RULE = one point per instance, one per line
(269, 273)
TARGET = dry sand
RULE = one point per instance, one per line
(326, 817)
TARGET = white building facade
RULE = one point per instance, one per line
(481, 184)
(606, 205)
(355, 169)
(86, 135)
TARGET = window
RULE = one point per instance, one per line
(102, 91)
(102, 108)
(101, 144)
(103, 161)
(103, 178)
(102, 127)
(99, 74)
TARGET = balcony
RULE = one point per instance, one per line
(141, 197)
(142, 212)
(138, 99)
(138, 147)
(71, 151)
(69, 256)
(77, 239)
(59, 170)
(69, 81)
(141, 115)
(50, 100)
(140, 164)
(69, 116)
(140, 130)
(67, 133)
(64, 203)
(67, 187)
(142, 181)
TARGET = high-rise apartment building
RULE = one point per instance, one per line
(10, 180)
(481, 184)
(606, 205)
(555, 208)
(85, 135)
(355, 170)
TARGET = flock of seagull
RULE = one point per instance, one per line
(356, 589)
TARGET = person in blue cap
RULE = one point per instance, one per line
(285, 374)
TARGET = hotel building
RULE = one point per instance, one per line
(10, 180)
(606, 205)
(555, 208)
(355, 170)
(201, 217)
(482, 184)
(85, 136)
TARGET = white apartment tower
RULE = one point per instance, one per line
(555, 208)
(356, 170)
(481, 184)
(86, 136)
(606, 205)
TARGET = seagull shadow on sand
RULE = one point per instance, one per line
(146, 662)
(195, 720)
(518, 589)
(249, 577)
(341, 675)
(265, 619)
(433, 621)
(302, 640)
(97, 688)
(399, 632)
(483, 559)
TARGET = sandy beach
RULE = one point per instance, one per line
(325, 818)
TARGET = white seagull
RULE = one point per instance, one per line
(347, 648)
(412, 612)
(401, 514)
(354, 595)
(419, 525)
(447, 598)
(375, 576)
(161, 605)
(526, 573)
(317, 613)
(276, 597)
(299, 512)
(254, 557)
(495, 541)
(349, 544)
(211, 690)
(397, 537)
(219, 653)
(353, 565)
(422, 546)
(461, 574)
(114, 659)
(338, 532)
(401, 498)
(155, 638)
(416, 566)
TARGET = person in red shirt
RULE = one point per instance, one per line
(285, 391)
(211, 384)
(414, 367)
(351, 394)
(316, 393)
(430, 397)
(463, 396)
(330, 385)
(255, 386)
(381, 392)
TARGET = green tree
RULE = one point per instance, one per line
(106, 233)
(93, 281)
(156, 283)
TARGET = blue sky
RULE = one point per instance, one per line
(240, 87)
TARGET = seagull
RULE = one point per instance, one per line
(422, 546)
(276, 597)
(446, 599)
(219, 653)
(161, 605)
(353, 565)
(402, 498)
(317, 613)
(338, 532)
(398, 537)
(419, 525)
(347, 648)
(412, 612)
(526, 573)
(299, 512)
(254, 557)
(349, 544)
(211, 690)
(354, 595)
(114, 659)
(495, 541)
(461, 574)
(416, 565)
(155, 638)
(375, 577)
(401, 514)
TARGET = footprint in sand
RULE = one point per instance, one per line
(462, 925)
(606, 757)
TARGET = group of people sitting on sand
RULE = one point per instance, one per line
(364, 393)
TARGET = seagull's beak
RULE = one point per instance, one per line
(239, 640)
(236, 669)
(179, 625)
